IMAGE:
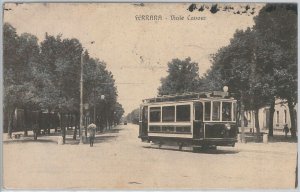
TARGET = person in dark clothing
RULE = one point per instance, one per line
(91, 132)
(285, 130)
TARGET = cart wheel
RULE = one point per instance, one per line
(159, 144)
(180, 146)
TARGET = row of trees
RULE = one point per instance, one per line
(46, 77)
(259, 65)
(133, 116)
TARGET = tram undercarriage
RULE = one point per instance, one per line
(187, 142)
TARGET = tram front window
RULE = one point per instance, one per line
(207, 111)
(216, 111)
(198, 112)
(226, 111)
(234, 112)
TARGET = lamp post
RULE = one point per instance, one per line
(81, 126)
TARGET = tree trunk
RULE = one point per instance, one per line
(26, 120)
(75, 128)
(10, 122)
(292, 118)
(40, 121)
(242, 120)
(257, 123)
(49, 122)
(63, 128)
(75, 132)
(271, 117)
(56, 119)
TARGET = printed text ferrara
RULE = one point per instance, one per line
(170, 17)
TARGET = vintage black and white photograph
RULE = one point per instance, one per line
(149, 96)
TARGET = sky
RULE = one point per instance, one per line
(136, 51)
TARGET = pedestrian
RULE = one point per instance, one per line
(285, 130)
(92, 132)
(35, 131)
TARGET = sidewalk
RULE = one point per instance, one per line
(53, 137)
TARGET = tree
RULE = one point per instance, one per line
(183, 76)
(20, 54)
(99, 81)
(260, 64)
(47, 78)
(133, 116)
(276, 27)
(118, 113)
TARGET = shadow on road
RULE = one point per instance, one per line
(281, 138)
(29, 141)
(206, 151)
(113, 130)
(101, 139)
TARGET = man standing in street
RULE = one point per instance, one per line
(91, 132)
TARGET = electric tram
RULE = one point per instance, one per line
(192, 119)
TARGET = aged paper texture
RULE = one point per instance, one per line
(150, 96)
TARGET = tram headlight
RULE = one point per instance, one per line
(227, 126)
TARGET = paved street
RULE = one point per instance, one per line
(119, 160)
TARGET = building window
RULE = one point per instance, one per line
(155, 114)
(183, 113)
(168, 114)
(284, 116)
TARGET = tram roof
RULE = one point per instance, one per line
(188, 96)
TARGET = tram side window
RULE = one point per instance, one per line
(168, 114)
(226, 111)
(198, 111)
(183, 113)
(216, 111)
(155, 114)
(207, 111)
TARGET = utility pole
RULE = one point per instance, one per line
(81, 101)
(94, 103)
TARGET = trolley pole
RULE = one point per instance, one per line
(81, 101)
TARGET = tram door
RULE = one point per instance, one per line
(144, 121)
(198, 120)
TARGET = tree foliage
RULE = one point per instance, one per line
(183, 76)
(46, 76)
(260, 64)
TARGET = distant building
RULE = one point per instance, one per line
(281, 117)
